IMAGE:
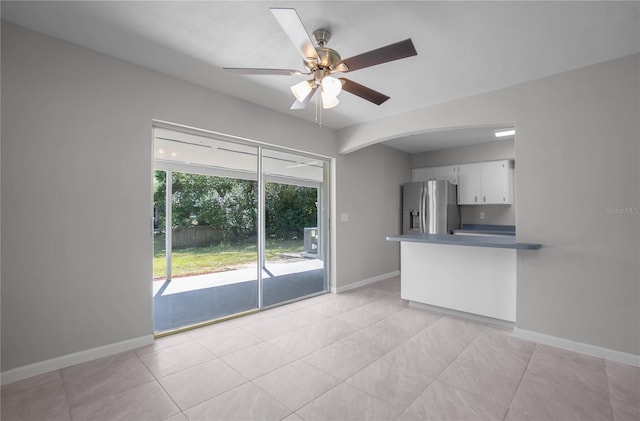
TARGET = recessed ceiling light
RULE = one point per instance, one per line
(504, 132)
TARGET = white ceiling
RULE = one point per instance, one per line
(464, 48)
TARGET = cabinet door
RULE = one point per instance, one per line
(496, 182)
(469, 184)
(446, 172)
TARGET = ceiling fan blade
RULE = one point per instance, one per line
(363, 92)
(293, 27)
(380, 55)
(252, 71)
(302, 105)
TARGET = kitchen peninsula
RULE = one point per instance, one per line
(471, 272)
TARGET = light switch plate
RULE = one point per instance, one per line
(344, 217)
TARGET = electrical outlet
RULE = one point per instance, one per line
(481, 215)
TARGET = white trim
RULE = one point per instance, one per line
(231, 138)
(338, 290)
(74, 358)
(168, 218)
(582, 348)
(463, 314)
(332, 229)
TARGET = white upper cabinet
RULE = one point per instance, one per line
(485, 183)
(497, 182)
(470, 186)
(446, 172)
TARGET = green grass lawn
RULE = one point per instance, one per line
(199, 260)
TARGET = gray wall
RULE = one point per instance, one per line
(76, 154)
(76, 178)
(488, 151)
(577, 163)
(577, 155)
(370, 193)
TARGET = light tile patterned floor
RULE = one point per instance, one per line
(361, 355)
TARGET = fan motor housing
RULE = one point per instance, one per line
(328, 59)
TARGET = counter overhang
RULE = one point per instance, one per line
(499, 241)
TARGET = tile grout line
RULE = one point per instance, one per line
(340, 381)
(248, 380)
(447, 366)
(66, 395)
(157, 380)
(159, 383)
(606, 373)
(524, 372)
(391, 364)
(275, 398)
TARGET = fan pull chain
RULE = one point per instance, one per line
(318, 111)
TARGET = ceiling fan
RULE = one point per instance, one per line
(321, 62)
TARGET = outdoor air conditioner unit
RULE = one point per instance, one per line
(311, 240)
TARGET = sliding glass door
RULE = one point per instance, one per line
(294, 261)
(237, 227)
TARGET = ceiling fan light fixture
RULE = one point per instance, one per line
(331, 86)
(302, 90)
(328, 100)
(321, 61)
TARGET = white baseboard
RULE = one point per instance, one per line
(364, 282)
(582, 348)
(68, 360)
(462, 314)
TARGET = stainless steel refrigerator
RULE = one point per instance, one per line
(430, 207)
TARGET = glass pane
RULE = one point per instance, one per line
(213, 269)
(159, 226)
(294, 263)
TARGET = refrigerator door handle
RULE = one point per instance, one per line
(423, 220)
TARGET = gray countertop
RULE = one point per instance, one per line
(498, 241)
(487, 229)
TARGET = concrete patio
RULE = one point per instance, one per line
(194, 299)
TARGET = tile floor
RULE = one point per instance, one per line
(360, 355)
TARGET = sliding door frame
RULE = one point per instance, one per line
(325, 195)
(261, 228)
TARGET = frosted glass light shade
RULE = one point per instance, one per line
(301, 90)
(329, 101)
(331, 86)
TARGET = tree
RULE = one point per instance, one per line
(230, 205)
(159, 195)
(289, 209)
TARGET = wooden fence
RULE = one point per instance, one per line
(195, 236)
